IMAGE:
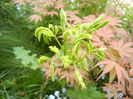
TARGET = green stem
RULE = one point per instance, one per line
(58, 42)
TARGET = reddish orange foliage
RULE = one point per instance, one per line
(114, 69)
(125, 50)
(35, 18)
(119, 51)
(68, 74)
(42, 8)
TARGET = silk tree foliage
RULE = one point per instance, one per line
(75, 49)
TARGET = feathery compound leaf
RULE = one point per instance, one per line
(52, 70)
(87, 46)
(63, 17)
(102, 24)
(79, 77)
(51, 27)
(42, 59)
(54, 49)
(46, 32)
(81, 37)
(65, 61)
(76, 48)
(98, 19)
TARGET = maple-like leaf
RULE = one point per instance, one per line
(38, 9)
(131, 70)
(125, 50)
(121, 32)
(130, 88)
(114, 69)
(113, 10)
(97, 42)
(105, 33)
(35, 2)
(19, 2)
(89, 19)
(73, 19)
(126, 97)
(71, 13)
(36, 18)
(48, 3)
(113, 90)
(46, 69)
(59, 5)
(69, 76)
(114, 21)
(51, 13)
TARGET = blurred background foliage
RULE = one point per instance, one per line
(16, 30)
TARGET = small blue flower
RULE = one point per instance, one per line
(120, 95)
(57, 93)
(103, 77)
(63, 90)
(46, 96)
(101, 66)
(107, 91)
(51, 97)
(56, 78)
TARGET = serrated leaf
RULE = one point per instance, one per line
(54, 49)
(76, 49)
(51, 27)
(46, 32)
(65, 61)
(81, 37)
(63, 19)
(43, 59)
(52, 70)
(98, 19)
(24, 56)
(88, 49)
(79, 77)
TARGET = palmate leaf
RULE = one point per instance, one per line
(114, 89)
(89, 93)
(125, 50)
(114, 69)
(24, 56)
(35, 18)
